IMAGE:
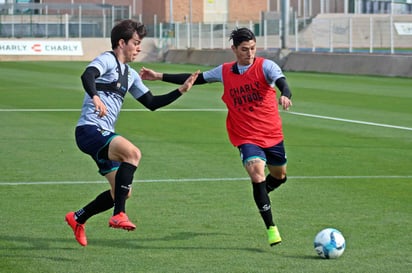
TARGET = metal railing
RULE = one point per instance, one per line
(383, 33)
(324, 33)
(59, 20)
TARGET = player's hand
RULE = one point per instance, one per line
(149, 74)
(99, 107)
(189, 82)
(285, 102)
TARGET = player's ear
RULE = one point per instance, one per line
(122, 43)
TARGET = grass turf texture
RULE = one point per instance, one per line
(351, 176)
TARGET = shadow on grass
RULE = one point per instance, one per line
(304, 257)
(12, 247)
(36, 257)
(27, 243)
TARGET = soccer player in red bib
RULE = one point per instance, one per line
(253, 122)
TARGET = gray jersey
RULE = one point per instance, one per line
(270, 68)
(107, 66)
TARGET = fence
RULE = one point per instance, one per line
(323, 33)
(59, 20)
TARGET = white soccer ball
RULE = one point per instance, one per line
(329, 243)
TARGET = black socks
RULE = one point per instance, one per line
(263, 203)
(124, 179)
(103, 202)
(273, 183)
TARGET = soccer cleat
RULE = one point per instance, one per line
(274, 236)
(78, 229)
(121, 221)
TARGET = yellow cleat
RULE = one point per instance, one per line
(274, 236)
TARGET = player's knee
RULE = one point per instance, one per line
(283, 180)
(133, 156)
(136, 154)
(257, 178)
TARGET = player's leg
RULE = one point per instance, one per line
(256, 169)
(122, 150)
(104, 201)
(111, 177)
(276, 162)
(276, 177)
(77, 220)
(94, 142)
(253, 158)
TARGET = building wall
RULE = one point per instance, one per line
(312, 7)
(237, 10)
(183, 9)
(246, 10)
(215, 11)
(136, 5)
(151, 8)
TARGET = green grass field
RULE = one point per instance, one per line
(349, 144)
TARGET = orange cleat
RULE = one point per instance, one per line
(78, 229)
(121, 221)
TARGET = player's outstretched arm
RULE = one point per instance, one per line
(189, 82)
(152, 102)
(150, 74)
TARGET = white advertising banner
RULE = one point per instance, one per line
(404, 28)
(62, 48)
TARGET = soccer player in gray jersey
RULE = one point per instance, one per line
(106, 80)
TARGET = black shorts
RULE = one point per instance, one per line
(275, 155)
(95, 142)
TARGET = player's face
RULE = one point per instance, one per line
(132, 48)
(245, 52)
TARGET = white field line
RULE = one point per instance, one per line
(227, 179)
(210, 179)
(353, 121)
(222, 110)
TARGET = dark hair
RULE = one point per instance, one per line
(125, 30)
(240, 35)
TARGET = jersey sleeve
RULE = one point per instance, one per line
(272, 71)
(103, 62)
(214, 75)
(137, 88)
